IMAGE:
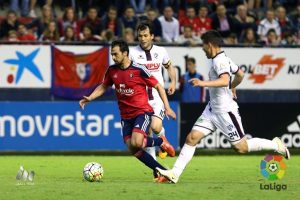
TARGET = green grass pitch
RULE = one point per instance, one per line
(206, 177)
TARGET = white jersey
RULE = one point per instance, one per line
(154, 59)
(221, 98)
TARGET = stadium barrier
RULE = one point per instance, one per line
(265, 68)
(62, 126)
(266, 120)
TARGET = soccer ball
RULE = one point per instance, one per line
(93, 172)
(273, 167)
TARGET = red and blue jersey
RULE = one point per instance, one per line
(130, 85)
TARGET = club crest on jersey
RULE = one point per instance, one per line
(115, 76)
(131, 75)
(155, 55)
(140, 57)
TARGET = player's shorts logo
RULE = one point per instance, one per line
(272, 167)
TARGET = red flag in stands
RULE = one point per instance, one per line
(76, 75)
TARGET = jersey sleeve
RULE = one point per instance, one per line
(221, 66)
(151, 81)
(233, 67)
(107, 78)
(166, 58)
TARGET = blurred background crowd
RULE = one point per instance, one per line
(241, 22)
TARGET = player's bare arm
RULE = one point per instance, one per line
(172, 75)
(168, 111)
(99, 91)
(239, 75)
(222, 81)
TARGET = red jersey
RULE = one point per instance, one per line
(130, 86)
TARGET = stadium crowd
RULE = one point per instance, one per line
(242, 22)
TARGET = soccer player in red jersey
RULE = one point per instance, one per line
(130, 80)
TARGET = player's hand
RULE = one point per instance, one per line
(84, 101)
(170, 113)
(196, 82)
(234, 93)
(171, 88)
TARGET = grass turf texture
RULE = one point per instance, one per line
(206, 177)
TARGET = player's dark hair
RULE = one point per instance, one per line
(191, 59)
(122, 44)
(144, 25)
(213, 37)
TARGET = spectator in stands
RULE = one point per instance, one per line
(249, 38)
(24, 34)
(12, 36)
(10, 23)
(223, 22)
(284, 22)
(231, 39)
(188, 38)
(51, 33)
(189, 20)
(14, 5)
(204, 22)
(129, 19)
(189, 93)
(138, 6)
(40, 24)
(109, 36)
(92, 20)
(298, 37)
(296, 18)
(288, 39)
(87, 34)
(268, 23)
(174, 4)
(69, 35)
(255, 5)
(33, 5)
(111, 22)
(272, 38)
(69, 19)
(129, 35)
(157, 29)
(243, 21)
(170, 25)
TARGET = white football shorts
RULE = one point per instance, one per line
(158, 107)
(230, 124)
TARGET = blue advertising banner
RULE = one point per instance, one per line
(63, 126)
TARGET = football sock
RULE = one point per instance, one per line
(259, 144)
(151, 151)
(161, 133)
(147, 159)
(152, 142)
(183, 159)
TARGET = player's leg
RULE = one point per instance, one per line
(202, 127)
(231, 125)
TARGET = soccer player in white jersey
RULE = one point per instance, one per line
(221, 112)
(154, 58)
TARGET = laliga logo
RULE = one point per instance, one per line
(272, 168)
(266, 69)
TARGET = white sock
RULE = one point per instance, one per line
(185, 156)
(259, 144)
(162, 132)
(151, 151)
